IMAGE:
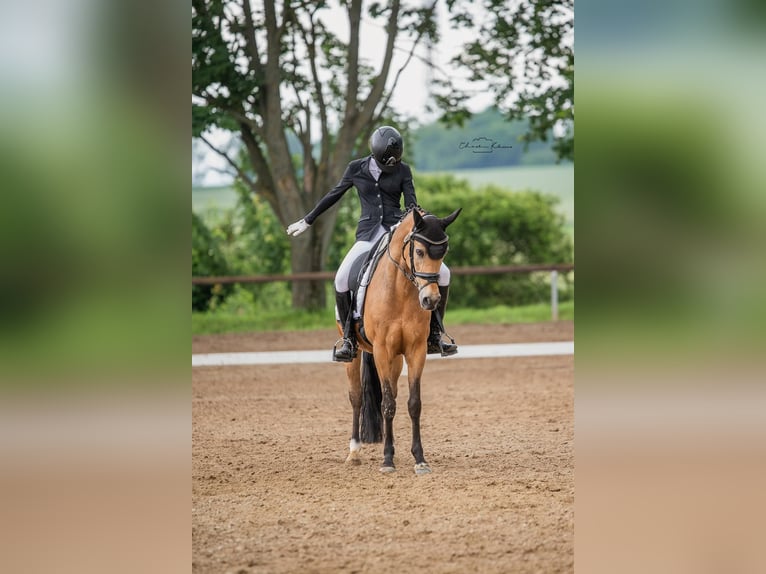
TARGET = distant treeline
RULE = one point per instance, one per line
(485, 140)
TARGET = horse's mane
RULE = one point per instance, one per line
(412, 207)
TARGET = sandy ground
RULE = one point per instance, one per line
(271, 492)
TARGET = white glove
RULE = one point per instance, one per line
(298, 227)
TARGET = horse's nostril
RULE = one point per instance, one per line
(429, 301)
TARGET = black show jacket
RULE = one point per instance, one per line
(380, 199)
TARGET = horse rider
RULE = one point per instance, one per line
(380, 180)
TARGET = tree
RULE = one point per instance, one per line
(523, 53)
(264, 69)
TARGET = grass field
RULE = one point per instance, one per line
(243, 320)
(556, 180)
(219, 197)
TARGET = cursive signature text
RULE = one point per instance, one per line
(483, 145)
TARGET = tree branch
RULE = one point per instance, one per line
(373, 98)
(402, 68)
(304, 134)
(242, 118)
(311, 47)
(240, 173)
(250, 40)
(282, 173)
(264, 184)
(352, 70)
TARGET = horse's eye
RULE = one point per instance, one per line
(420, 252)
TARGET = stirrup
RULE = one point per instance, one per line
(343, 358)
(436, 345)
(448, 349)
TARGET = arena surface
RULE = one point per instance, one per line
(271, 492)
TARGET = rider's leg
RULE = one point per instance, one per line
(347, 351)
(435, 343)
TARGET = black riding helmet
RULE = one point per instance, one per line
(386, 146)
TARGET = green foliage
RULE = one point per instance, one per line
(207, 261)
(302, 98)
(497, 227)
(254, 240)
(516, 52)
(240, 313)
(251, 241)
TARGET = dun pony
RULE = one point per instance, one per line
(400, 297)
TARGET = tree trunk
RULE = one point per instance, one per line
(304, 257)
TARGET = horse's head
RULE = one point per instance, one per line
(428, 243)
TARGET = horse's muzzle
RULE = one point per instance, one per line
(429, 302)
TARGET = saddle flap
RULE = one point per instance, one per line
(356, 267)
(361, 272)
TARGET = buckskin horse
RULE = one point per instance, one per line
(400, 296)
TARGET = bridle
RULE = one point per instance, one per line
(412, 274)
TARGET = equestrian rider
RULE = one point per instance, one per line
(380, 180)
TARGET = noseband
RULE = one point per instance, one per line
(438, 248)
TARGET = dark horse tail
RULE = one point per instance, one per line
(371, 419)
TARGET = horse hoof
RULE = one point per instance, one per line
(353, 460)
(422, 468)
(387, 469)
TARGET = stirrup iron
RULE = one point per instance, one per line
(343, 341)
(442, 345)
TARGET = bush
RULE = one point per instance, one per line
(498, 227)
(207, 260)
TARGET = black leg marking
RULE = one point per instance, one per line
(414, 407)
(389, 410)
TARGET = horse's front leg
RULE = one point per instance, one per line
(415, 364)
(389, 370)
(355, 396)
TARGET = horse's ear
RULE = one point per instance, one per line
(451, 217)
(417, 217)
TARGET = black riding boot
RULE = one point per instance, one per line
(347, 351)
(435, 343)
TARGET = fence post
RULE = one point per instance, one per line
(554, 295)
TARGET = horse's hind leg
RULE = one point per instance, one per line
(355, 396)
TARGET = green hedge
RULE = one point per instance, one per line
(207, 261)
(498, 227)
